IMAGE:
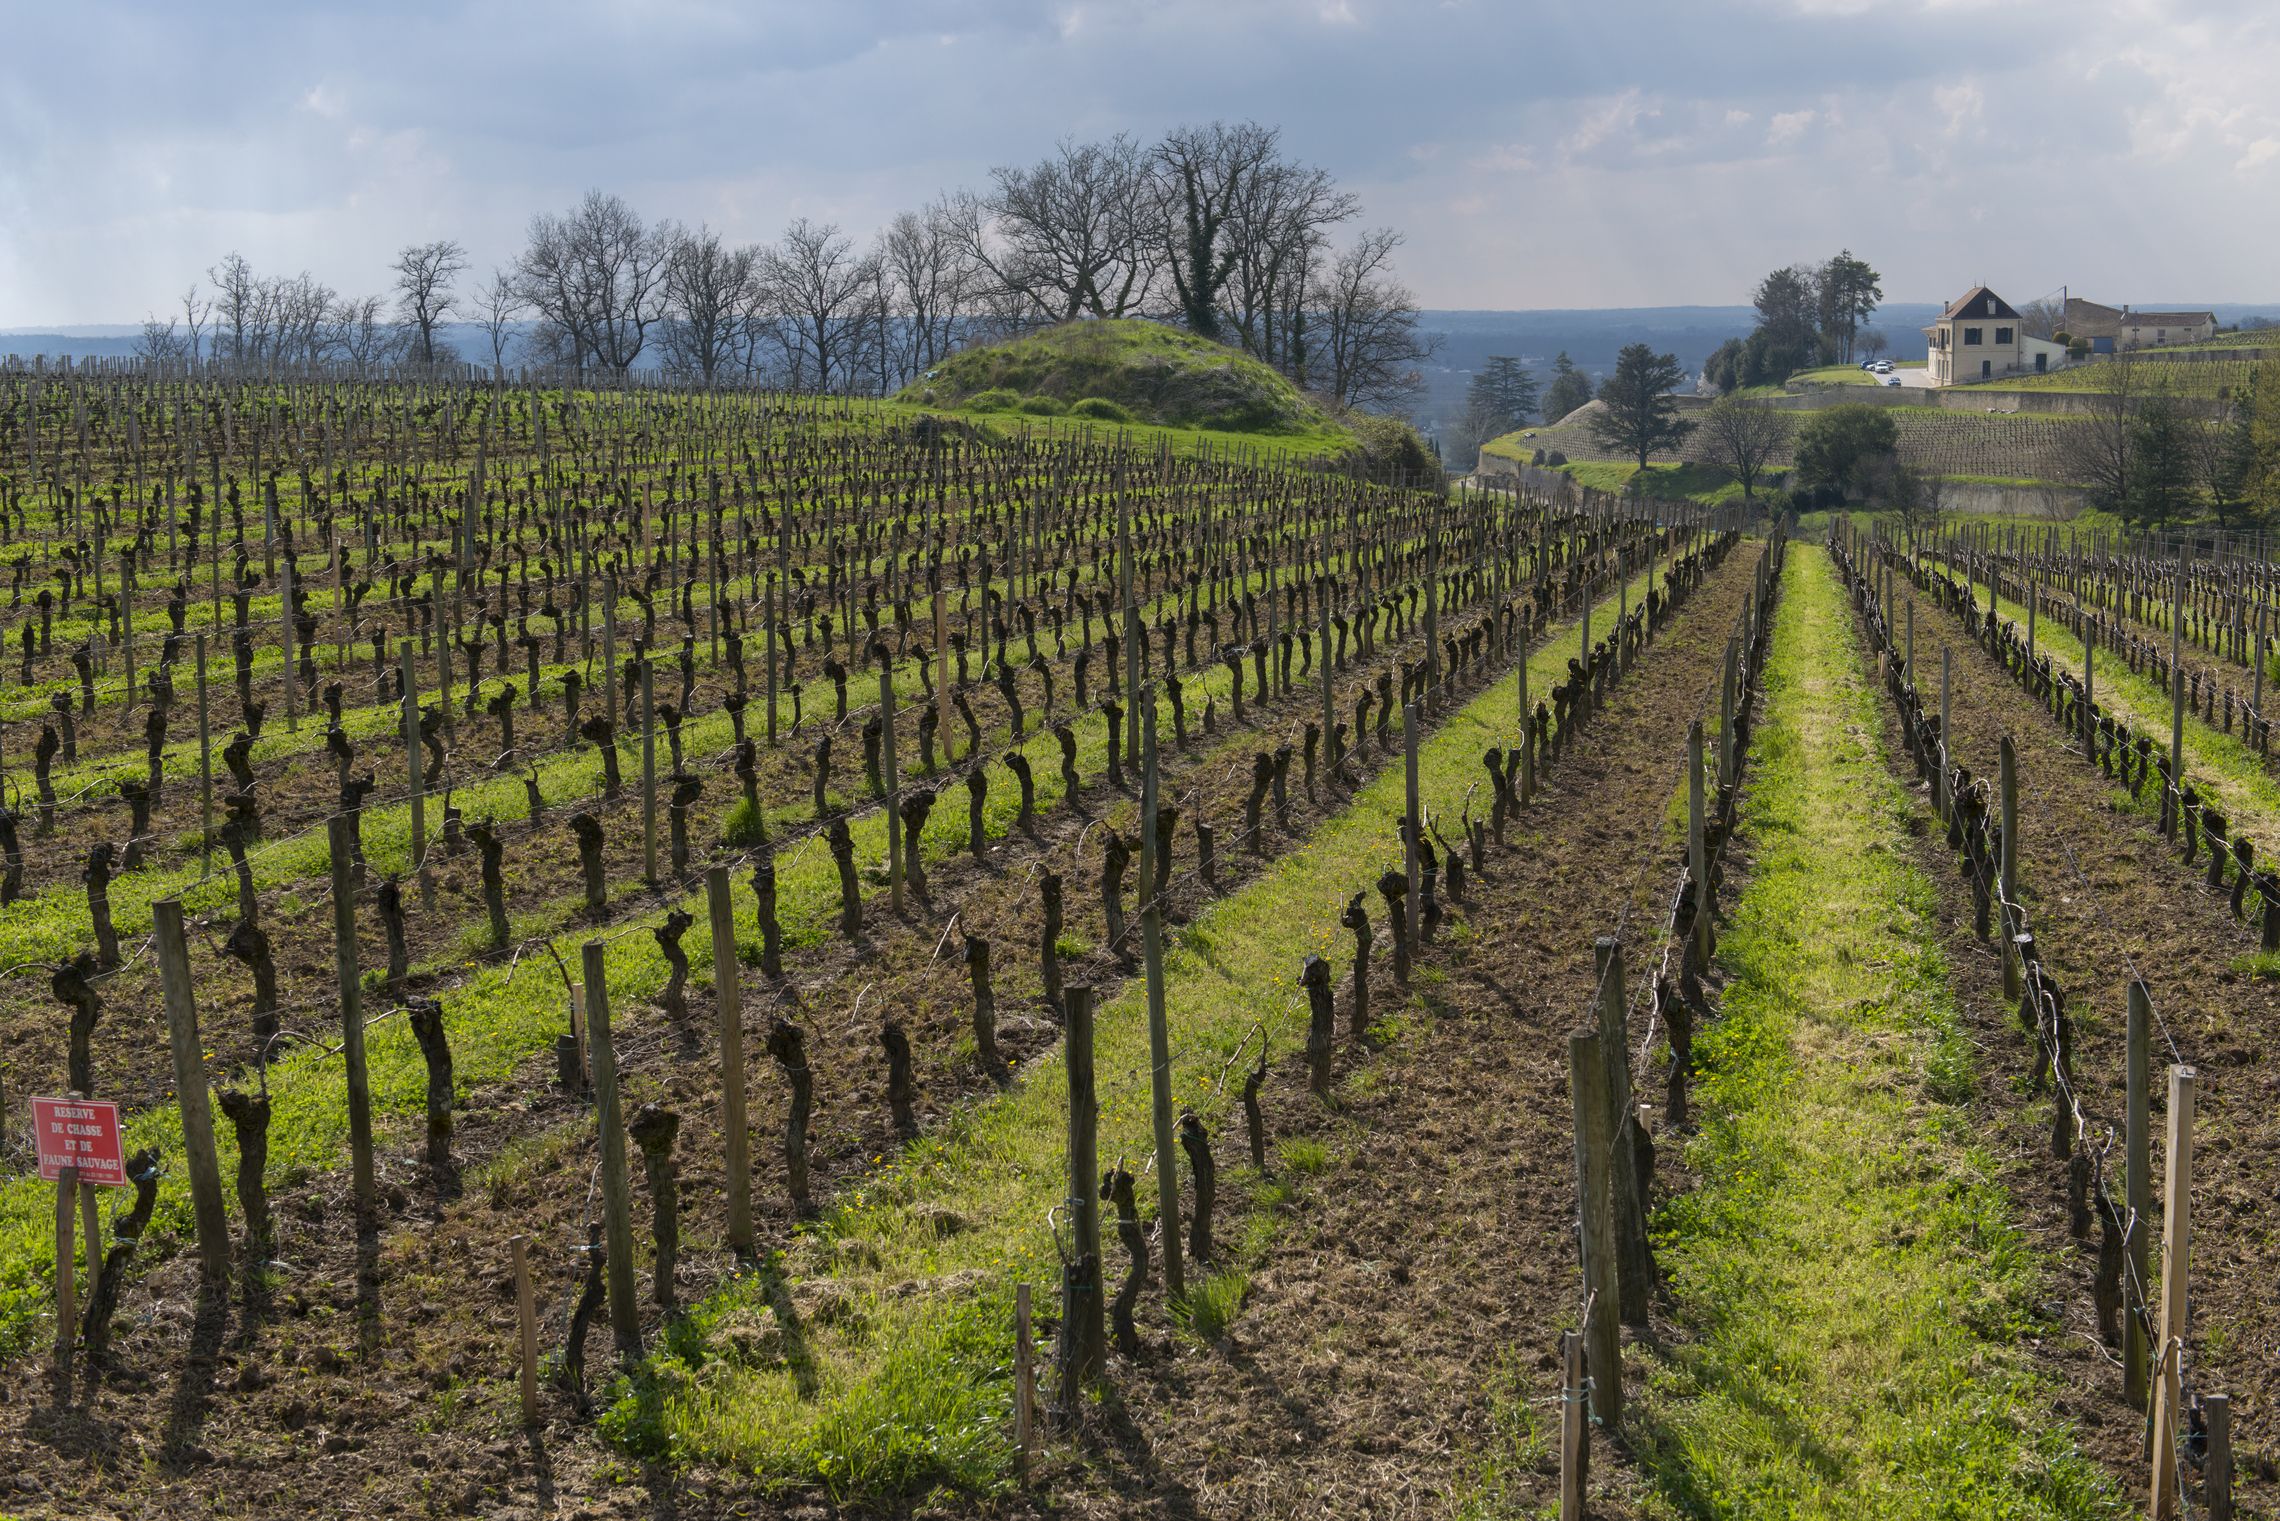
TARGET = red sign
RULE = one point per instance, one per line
(81, 1133)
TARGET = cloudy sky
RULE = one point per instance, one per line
(1538, 154)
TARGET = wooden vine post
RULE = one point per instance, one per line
(212, 1220)
(1697, 845)
(526, 1325)
(2008, 757)
(648, 770)
(415, 791)
(1635, 1269)
(1416, 827)
(617, 1202)
(340, 831)
(1587, 1083)
(2137, 1177)
(728, 992)
(1159, 1023)
(893, 786)
(1941, 802)
(2176, 1263)
(1084, 1314)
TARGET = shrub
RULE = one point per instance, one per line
(996, 399)
(1100, 409)
(1537, 458)
(1043, 406)
(1555, 459)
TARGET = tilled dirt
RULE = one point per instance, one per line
(287, 1416)
(2104, 893)
(1416, 1285)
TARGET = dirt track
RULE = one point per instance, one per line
(1419, 1281)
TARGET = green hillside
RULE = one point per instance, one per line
(1126, 371)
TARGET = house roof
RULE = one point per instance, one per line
(2090, 318)
(2167, 319)
(1973, 303)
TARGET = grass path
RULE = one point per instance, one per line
(1846, 1267)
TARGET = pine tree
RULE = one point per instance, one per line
(1641, 417)
(1570, 389)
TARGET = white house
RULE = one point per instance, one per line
(1980, 336)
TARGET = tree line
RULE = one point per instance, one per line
(1215, 227)
(1807, 315)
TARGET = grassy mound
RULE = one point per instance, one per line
(1145, 371)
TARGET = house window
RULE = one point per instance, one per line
(1986, 368)
(1990, 306)
(1970, 336)
(2002, 335)
(2161, 335)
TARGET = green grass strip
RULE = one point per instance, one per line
(1847, 1261)
(889, 1372)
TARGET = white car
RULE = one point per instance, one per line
(1883, 366)
(1891, 380)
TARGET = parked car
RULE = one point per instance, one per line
(1883, 366)
(1891, 380)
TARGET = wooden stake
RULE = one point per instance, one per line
(1159, 1025)
(213, 1222)
(1083, 1305)
(526, 1318)
(2008, 756)
(617, 1201)
(2176, 1260)
(2137, 1179)
(1634, 1266)
(66, 1268)
(728, 992)
(1575, 1428)
(893, 787)
(1024, 1381)
(1587, 1081)
(2217, 1468)
(1697, 847)
(648, 772)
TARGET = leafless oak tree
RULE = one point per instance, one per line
(1370, 344)
(820, 293)
(1744, 436)
(596, 277)
(425, 273)
(711, 289)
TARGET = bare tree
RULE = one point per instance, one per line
(425, 273)
(1744, 436)
(498, 302)
(2042, 318)
(359, 332)
(933, 281)
(1200, 177)
(1068, 235)
(1370, 344)
(596, 278)
(194, 317)
(236, 307)
(710, 290)
(1872, 343)
(160, 342)
(2099, 444)
(821, 294)
(1276, 233)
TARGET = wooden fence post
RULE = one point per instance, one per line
(728, 992)
(2137, 1155)
(1416, 829)
(213, 1222)
(2176, 1261)
(1159, 1024)
(1587, 1082)
(1942, 804)
(617, 1203)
